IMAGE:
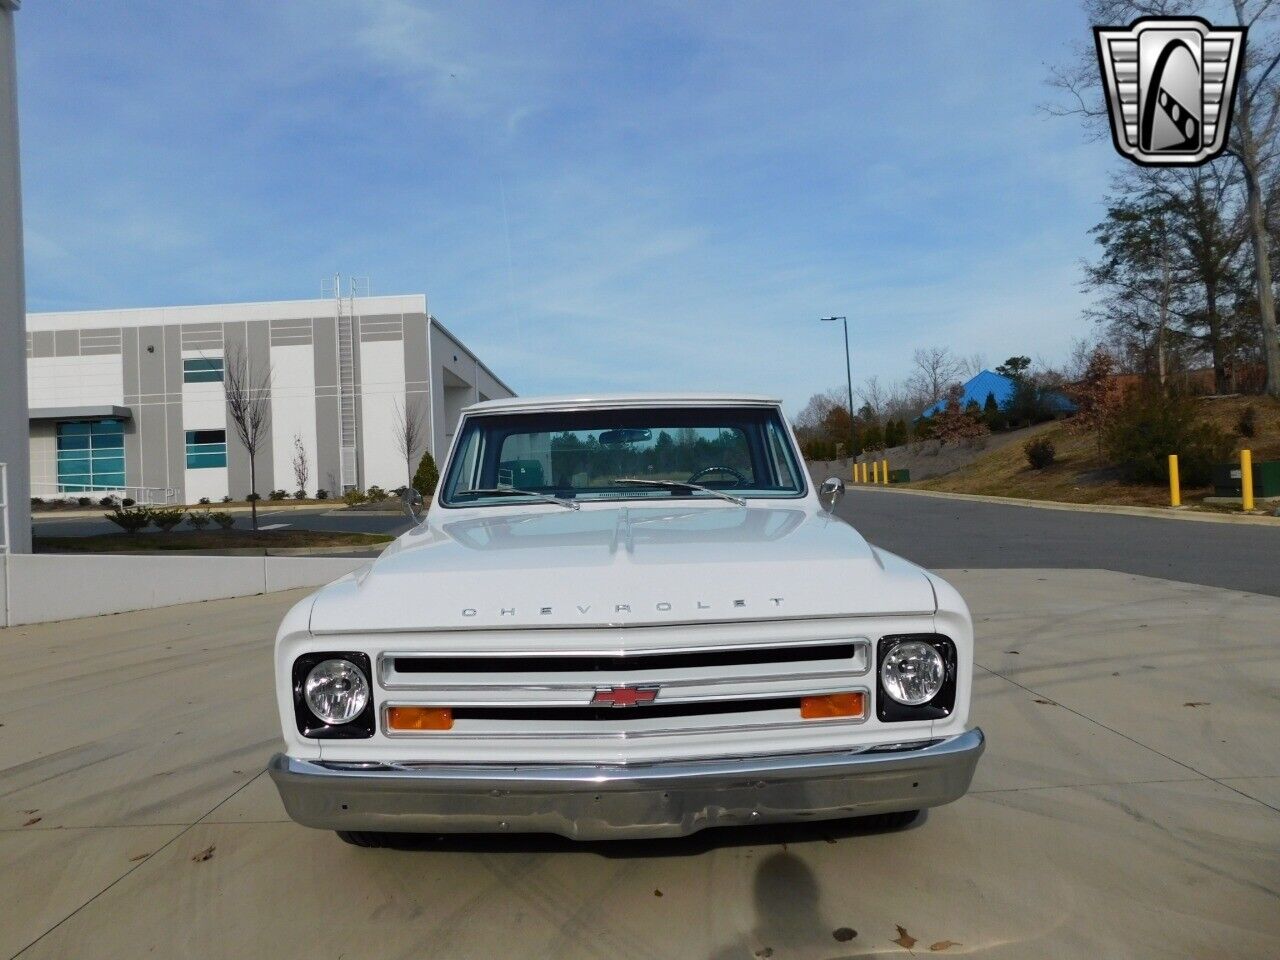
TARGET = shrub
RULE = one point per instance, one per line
(205, 500)
(299, 494)
(1028, 404)
(128, 519)
(222, 519)
(426, 477)
(128, 502)
(375, 494)
(166, 518)
(227, 498)
(252, 498)
(1150, 425)
(200, 519)
(107, 501)
(322, 494)
(277, 495)
(84, 501)
(1040, 452)
(353, 497)
(1247, 425)
(36, 501)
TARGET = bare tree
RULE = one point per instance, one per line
(409, 434)
(972, 365)
(935, 369)
(301, 467)
(874, 396)
(248, 390)
(1254, 138)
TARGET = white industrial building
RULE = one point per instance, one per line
(134, 400)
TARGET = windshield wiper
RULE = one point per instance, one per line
(515, 491)
(681, 485)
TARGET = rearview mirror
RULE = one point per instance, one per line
(411, 499)
(830, 492)
(616, 438)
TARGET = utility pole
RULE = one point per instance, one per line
(848, 372)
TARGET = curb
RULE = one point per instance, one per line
(373, 550)
(326, 505)
(1163, 513)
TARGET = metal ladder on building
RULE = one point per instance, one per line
(4, 513)
(348, 330)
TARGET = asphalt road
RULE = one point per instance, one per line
(936, 532)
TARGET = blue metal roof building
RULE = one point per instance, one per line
(1001, 387)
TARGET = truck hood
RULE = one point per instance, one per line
(622, 566)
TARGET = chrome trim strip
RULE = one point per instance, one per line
(609, 680)
(385, 668)
(586, 736)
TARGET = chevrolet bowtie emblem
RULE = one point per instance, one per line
(1170, 83)
(624, 696)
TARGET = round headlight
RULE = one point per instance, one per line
(913, 672)
(336, 691)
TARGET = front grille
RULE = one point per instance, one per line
(647, 711)
(624, 663)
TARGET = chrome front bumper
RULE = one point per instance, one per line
(585, 802)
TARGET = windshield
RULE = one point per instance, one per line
(588, 455)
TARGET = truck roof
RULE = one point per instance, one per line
(589, 400)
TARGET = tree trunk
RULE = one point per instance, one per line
(1262, 264)
(1215, 339)
(253, 489)
(1161, 367)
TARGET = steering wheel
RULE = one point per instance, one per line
(742, 481)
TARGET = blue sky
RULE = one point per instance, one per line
(594, 195)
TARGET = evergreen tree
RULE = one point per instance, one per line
(426, 477)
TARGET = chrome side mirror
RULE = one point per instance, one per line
(830, 492)
(411, 499)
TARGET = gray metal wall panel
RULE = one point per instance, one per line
(151, 407)
(42, 343)
(252, 339)
(416, 377)
(132, 427)
(176, 438)
(66, 343)
(357, 384)
(328, 458)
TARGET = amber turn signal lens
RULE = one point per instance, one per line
(832, 705)
(419, 718)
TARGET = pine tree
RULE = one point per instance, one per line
(426, 477)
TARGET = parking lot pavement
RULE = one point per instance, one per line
(1128, 805)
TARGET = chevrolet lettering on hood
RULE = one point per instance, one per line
(623, 617)
(662, 606)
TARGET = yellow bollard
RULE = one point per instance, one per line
(1175, 485)
(853, 472)
(875, 471)
(884, 473)
(1246, 480)
(864, 471)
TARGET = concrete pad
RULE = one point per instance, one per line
(1190, 672)
(1079, 839)
(50, 873)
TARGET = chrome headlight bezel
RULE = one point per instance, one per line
(316, 727)
(937, 707)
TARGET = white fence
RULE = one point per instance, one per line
(36, 588)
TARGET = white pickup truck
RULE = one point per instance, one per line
(624, 617)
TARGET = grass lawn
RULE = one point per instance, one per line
(158, 541)
(1080, 476)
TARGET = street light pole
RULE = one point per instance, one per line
(848, 372)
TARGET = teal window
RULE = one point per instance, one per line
(206, 448)
(90, 456)
(202, 370)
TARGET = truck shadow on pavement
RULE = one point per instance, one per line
(765, 835)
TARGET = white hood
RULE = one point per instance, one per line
(618, 566)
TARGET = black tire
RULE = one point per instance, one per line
(884, 822)
(362, 838)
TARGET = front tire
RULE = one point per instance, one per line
(362, 838)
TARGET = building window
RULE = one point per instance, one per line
(206, 448)
(90, 456)
(202, 370)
